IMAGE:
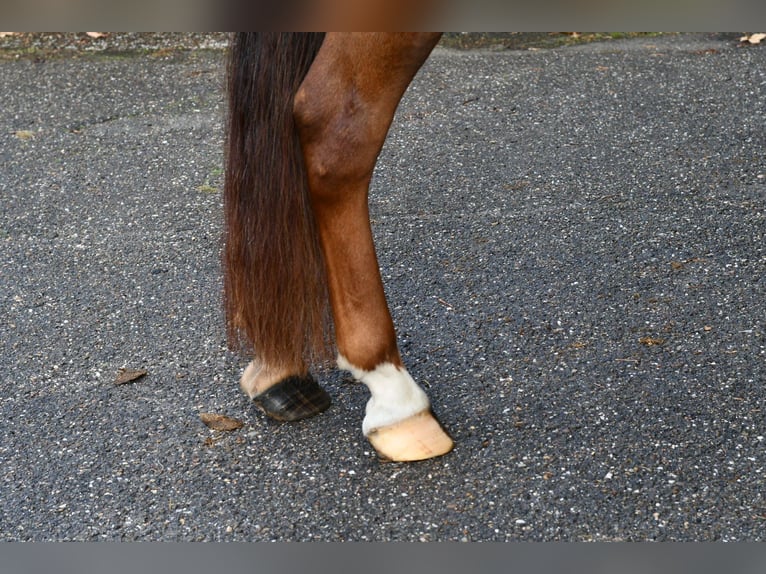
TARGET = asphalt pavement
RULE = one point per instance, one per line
(573, 247)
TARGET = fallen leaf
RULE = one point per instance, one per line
(220, 422)
(651, 341)
(676, 265)
(24, 134)
(126, 375)
(96, 34)
(4, 34)
(753, 38)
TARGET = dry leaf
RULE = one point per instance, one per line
(125, 375)
(4, 34)
(651, 341)
(96, 34)
(753, 38)
(221, 422)
(24, 134)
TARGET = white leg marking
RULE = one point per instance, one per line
(257, 378)
(248, 381)
(395, 396)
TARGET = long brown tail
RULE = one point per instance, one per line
(275, 289)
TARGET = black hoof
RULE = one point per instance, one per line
(293, 399)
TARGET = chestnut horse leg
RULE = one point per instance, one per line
(343, 111)
(275, 290)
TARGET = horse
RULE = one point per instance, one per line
(308, 115)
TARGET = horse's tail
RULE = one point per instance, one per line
(275, 288)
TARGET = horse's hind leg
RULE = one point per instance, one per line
(343, 109)
(275, 291)
(284, 394)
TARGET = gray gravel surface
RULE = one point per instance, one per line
(573, 247)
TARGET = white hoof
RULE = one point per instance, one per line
(398, 421)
